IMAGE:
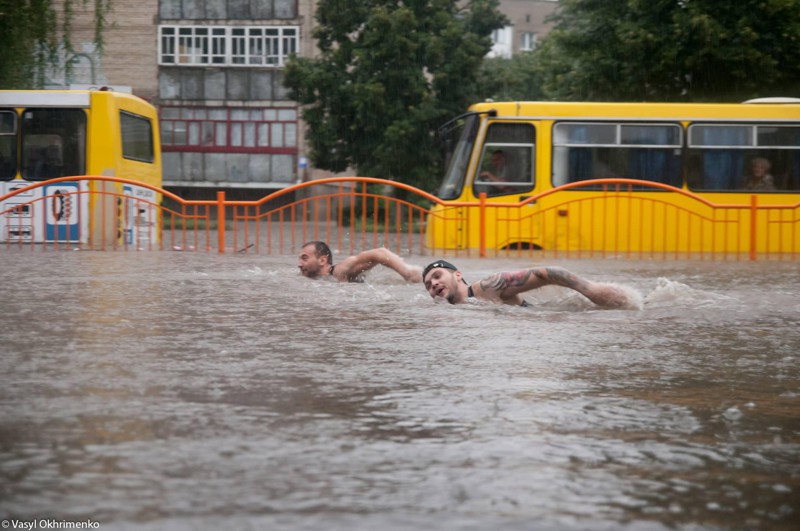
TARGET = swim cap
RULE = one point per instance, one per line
(438, 263)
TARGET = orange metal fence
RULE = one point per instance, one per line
(639, 219)
(357, 213)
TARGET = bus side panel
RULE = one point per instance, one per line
(446, 227)
(124, 214)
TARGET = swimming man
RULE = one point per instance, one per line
(443, 280)
(316, 261)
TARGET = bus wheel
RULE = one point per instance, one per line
(523, 246)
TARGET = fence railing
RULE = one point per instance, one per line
(602, 218)
(642, 219)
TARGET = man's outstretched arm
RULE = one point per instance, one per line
(506, 287)
(353, 266)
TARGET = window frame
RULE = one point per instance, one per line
(565, 144)
(738, 154)
(528, 41)
(515, 154)
(8, 147)
(216, 129)
(132, 146)
(229, 46)
(68, 136)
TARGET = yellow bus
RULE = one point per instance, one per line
(600, 159)
(47, 134)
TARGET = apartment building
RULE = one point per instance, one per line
(214, 68)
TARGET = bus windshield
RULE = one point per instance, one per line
(53, 143)
(457, 138)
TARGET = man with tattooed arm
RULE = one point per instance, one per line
(443, 280)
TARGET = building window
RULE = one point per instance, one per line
(245, 130)
(527, 41)
(227, 45)
(501, 43)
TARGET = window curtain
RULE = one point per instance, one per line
(723, 168)
(580, 159)
(660, 165)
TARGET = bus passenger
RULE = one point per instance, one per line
(316, 261)
(759, 178)
(443, 280)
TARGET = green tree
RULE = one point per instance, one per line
(31, 33)
(388, 73)
(514, 79)
(666, 50)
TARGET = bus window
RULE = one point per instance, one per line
(762, 157)
(780, 144)
(647, 152)
(137, 137)
(457, 138)
(654, 153)
(506, 165)
(8, 145)
(53, 143)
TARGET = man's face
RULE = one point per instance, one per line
(498, 159)
(441, 282)
(309, 263)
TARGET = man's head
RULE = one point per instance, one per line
(315, 259)
(498, 158)
(443, 280)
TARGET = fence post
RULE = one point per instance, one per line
(221, 221)
(482, 224)
(753, 225)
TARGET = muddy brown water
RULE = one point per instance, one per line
(171, 390)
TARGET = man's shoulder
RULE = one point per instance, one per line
(347, 270)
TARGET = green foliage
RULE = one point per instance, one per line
(515, 79)
(388, 74)
(30, 38)
(662, 50)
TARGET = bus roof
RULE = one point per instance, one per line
(788, 111)
(44, 98)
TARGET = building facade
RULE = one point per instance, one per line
(226, 118)
(214, 68)
(528, 24)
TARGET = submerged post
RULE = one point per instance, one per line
(753, 225)
(482, 225)
(221, 221)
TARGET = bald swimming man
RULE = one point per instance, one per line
(443, 280)
(316, 261)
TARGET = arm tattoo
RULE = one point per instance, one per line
(559, 276)
(501, 281)
(543, 276)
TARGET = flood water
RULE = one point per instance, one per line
(179, 390)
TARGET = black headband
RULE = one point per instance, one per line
(438, 263)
